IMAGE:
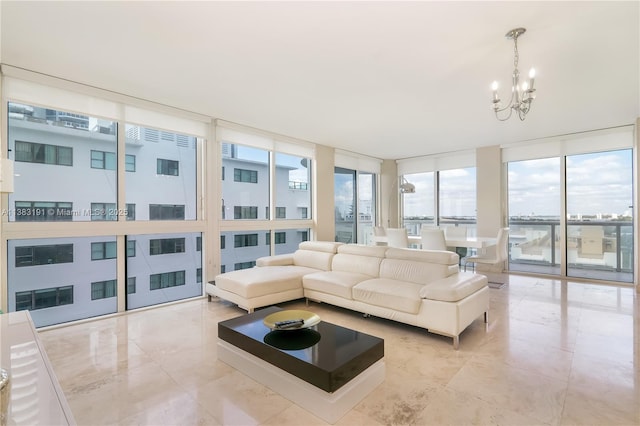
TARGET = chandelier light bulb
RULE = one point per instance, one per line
(525, 86)
(494, 86)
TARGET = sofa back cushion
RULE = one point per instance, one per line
(315, 254)
(418, 266)
(359, 259)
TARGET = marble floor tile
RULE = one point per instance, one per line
(554, 352)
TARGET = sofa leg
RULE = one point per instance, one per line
(306, 301)
(456, 342)
(486, 317)
(208, 298)
(366, 315)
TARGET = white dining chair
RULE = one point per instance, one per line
(397, 237)
(456, 233)
(379, 236)
(432, 238)
(495, 255)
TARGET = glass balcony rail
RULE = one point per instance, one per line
(298, 185)
(595, 249)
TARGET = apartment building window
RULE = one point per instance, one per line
(43, 255)
(222, 172)
(166, 212)
(223, 241)
(167, 167)
(108, 211)
(223, 269)
(244, 265)
(303, 212)
(281, 212)
(103, 211)
(44, 298)
(166, 246)
(43, 211)
(103, 289)
(199, 275)
(245, 240)
(279, 238)
(103, 250)
(130, 163)
(107, 161)
(243, 175)
(198, 243)
(130, 212)
(131, 248)
(131, 285)
(103, 160)
(166, 279)
(30, 152)
(245, 212)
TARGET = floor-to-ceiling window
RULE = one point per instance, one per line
(599, 197)
(419, 208)
(457, 198)
(345, 190)
(266, 196)
(534, 215)
(85, 229)
(445, 192)
(572, 214)
(355, 198)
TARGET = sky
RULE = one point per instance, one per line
(597, 183)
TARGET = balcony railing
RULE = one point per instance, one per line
(595, 249)
(298, 185)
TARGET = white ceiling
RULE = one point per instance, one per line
(388, 79)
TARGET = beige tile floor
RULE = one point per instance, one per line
(553, 353)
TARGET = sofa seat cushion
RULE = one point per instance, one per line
(397, 295)
(454, 288)
(337, 283)
(260, 281)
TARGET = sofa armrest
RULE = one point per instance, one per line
(455, 287)
(277, 260)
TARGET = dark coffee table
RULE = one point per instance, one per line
(326, 369)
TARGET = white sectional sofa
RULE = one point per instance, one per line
(423, 288)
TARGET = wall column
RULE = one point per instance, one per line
(490, 196)
(389, 211)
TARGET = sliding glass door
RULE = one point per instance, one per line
(534, 215)
(597, 226)
(355, 205)
(599, 215)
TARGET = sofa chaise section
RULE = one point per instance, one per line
(275, 279)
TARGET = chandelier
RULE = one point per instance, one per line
(521, 94)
